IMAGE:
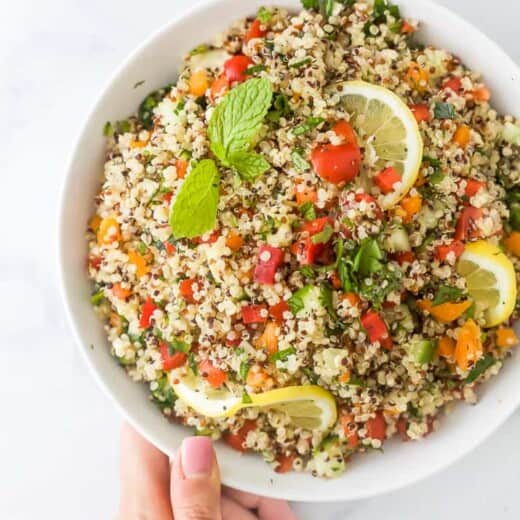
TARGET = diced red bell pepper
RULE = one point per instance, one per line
(213, 375)
(386, 179)
(345, 130)
(306, 251)
(335, 280)
(285, 463)
(466, 225)
(237, 440)
(376, 329)
(235, 68)
(169, 247)
(171, 360)
(404, 257)
(473, 187)
(316, 226)
(146, 313)
(255, 31)
(277, 311)
(376, 427)
(253, 314)
(337, 164)
(207, 239)
(168, 197)
(421, 112)
(455, 246)
(268, 260)
(402, 427)
(95, 262)
(188, 287)
(233, 339)
(453, 83)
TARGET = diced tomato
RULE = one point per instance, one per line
(453, 83)
(235, 67)
(173, 359)
(386, 179)
(207, 239)
(306, 251)
(345, 130)
(316, 226)
(169, 247)
(277, 311)
(146, 313)
(337, 163)
(335, 280)
(213, 375)
(168, 196)
(404, 257)
(407, 27)
(95, 262)
(305, 193)
(255, 31)
(402, 427)
(219, 86)
(253, 314)
(376, 427)
(376, 329)
(455, 246)
(421, 112)
(285, 463)
(268, 260)
(233, 339)
(350, 430)
(466, 225)
(473, 187)
(187, 289)
(237, 440)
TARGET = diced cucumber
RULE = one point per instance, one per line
(306, 300)
(511, 133)
(423, 351)
(397, 240)
(427, 218)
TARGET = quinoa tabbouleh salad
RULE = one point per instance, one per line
(308, 243)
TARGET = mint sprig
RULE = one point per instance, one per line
(236, 122)
(194, 210)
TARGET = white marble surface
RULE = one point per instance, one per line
(58, 433)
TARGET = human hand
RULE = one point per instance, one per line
(188, 489)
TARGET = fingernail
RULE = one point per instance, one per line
(197, 456)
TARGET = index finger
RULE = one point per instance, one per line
(268, 508)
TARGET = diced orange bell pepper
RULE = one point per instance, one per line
(234, 241)
(120, 292)
(407, 27)
(269, 339)
(352, 298)
(506, 337)
(410, 206)
(481, 94)
(141, 267)
(305, 194)
(198, 83)
(512, 243)
(349, 429)
(256, 377)
(446, 347)
(219, 87)
(94, 223)
(469, 345)
(462, 136)
(445, 312)
(182, 167)
(345, 377)
(108, 231)
(417, 77)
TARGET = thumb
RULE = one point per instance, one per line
(195, 481)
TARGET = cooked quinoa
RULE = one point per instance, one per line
(202, 304)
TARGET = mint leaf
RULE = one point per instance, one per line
(237, 119)
(249, 165)
(194, 209)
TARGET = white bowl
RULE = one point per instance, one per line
(157, 62)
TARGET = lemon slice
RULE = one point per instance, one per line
(491, 280)
(389, 133)
(310, 407)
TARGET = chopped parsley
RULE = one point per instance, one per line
(246, 398)
(301, 63)
(307, 211)
(447, 294)
(480, 367)
(283, 355)
(323, 236)
(308, 126)
(299, 162)
(264, 15)
(444, 111)
(255, 69)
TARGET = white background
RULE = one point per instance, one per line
(58, 433)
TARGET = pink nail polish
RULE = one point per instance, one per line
(197, 456)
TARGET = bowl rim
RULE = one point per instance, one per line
(82, 345)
